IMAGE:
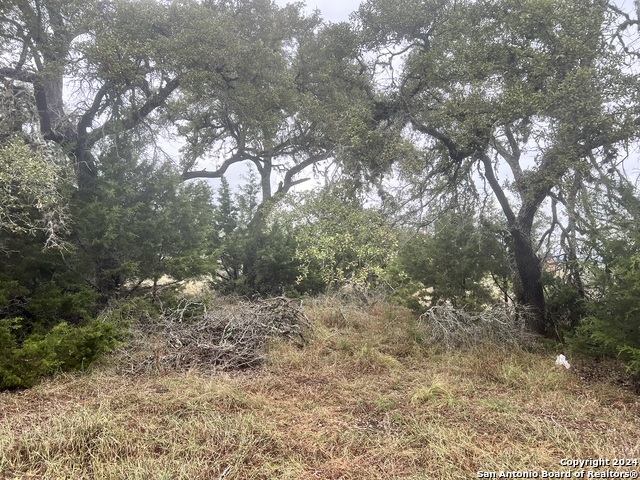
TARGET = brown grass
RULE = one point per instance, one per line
(366, 400)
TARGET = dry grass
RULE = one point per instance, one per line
(365, 400)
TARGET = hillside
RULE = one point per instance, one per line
(366, 399)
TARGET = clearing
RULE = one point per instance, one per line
(365, 400)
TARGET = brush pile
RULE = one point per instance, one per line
(502, 326)
(233, 337)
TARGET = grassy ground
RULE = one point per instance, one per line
(364, 401)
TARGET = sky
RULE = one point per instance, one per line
(332, 10)
(339, 10)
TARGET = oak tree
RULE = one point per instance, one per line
(530, 97)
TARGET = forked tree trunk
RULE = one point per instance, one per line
(530, 293)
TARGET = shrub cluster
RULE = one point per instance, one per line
(612, 325)
(62, 348)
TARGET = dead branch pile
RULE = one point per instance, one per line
(231, 338)
(501, 325)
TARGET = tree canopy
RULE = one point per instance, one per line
(531, 97)
(32, 183)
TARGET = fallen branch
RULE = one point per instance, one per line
(502, 326)
(231, 338)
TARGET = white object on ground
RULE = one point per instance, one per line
(562, 360)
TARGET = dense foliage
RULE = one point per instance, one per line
(140, 222)
(63, 348)
(31, 198)
(611, 324)
(459, 260)
(340, 241)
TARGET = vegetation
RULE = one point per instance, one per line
(475, 161)
(460, 260)
(364, 400)
(63, 348)
(140, 222)
(32, 199)
(611, 322)
(502, 94)
(340, 241)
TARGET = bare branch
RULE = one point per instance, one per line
(454, 153)
(237, 157)
(137, 116)
(288, 181)
(89, 115)
(497, 189)
(18, 74)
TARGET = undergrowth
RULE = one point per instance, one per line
(367, 398)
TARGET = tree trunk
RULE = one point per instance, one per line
(529, 278)
(108, 281)
(530, 292)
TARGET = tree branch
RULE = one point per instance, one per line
(89, 115)
(17, 74)
(495, 186)
(137, 116)
(237, 157)
(288, 181)
(454, 153)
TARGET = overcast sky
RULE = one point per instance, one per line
(339, 10)
(332, 10)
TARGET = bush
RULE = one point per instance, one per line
(565, 304)
(63, 348)
(598, 337)
(612, 326)
(260, 263)
(42, 301)
(458, 260)
(338, 241)
(49, 304)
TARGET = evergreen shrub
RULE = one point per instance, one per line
(62, 348)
